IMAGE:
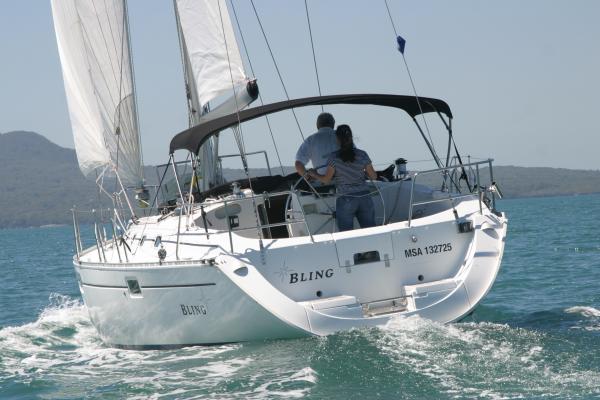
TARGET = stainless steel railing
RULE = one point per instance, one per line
(183, 210)
(188, 209)
(452, 197)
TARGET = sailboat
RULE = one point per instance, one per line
(209, 261)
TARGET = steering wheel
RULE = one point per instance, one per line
(293, 190)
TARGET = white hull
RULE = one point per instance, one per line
(293, 287)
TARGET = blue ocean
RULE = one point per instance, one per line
(536, 335)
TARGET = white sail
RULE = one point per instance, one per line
(214, 56)
(93, 44)
(213, 67)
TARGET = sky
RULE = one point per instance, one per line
(521, 77)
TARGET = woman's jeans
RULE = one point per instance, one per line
(359, 205)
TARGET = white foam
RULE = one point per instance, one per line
(588, 312)
(481, 359)
(63, 341)
(305, 374)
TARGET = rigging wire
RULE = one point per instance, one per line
(411, 79)
(93, 61)
(276, 66)
(134, 93)
(312, 45)
(195, 110)
(118, 124)
(190, 106)
(184, 66)
(238, 134)
(90, 56)
(259, 94)
(117, 77)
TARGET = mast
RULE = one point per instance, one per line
(213, 69)
(207, 155)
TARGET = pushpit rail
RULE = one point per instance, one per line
(458, 194)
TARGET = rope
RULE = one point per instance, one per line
(259, 94)
(276, 66)
(411, 80)
(313, 50)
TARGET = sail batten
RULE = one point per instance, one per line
(93, 44)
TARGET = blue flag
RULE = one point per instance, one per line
(401, 44)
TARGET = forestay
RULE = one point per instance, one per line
(213, 67)
(93, 44)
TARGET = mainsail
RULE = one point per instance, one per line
(213, 68)
(93, 43)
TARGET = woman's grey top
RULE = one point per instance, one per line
(349, 176)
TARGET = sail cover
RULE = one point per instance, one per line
(213, 68)
(93, 45)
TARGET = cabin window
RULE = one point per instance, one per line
(158, 241)
(142, 240)
(366, 257)
(134, 286)
(234, 221)
(231, 209)
(310, 208)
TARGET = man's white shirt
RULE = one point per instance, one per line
(317, 148)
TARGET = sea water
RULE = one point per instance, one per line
(536, 335)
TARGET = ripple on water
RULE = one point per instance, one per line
(537, 333)
(62, 353)
(487, 360)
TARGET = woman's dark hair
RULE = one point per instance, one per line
(344, 136)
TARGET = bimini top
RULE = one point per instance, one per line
(191, 139)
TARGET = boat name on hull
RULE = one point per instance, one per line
(199, 309)
(296, 277)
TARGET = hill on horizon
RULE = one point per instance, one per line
(40, 181)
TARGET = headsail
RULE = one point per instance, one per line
(213, 67)
(93, 43)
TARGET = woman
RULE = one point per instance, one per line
(347, 168)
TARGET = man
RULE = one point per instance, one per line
(317, 147)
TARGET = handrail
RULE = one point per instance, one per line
(247, 154)
(451, 198)
(299, 216)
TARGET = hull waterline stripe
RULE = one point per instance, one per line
(174, 286)
(150, 287)
(103, 286)
(486, 254)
